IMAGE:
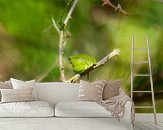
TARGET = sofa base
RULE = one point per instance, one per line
(55, 123)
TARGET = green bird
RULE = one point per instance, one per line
(81, 62)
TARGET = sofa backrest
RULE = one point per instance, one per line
(55, 92)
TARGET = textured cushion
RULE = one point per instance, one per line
(80, 109)
(111, 89)
(18, 84)
(16, 95)
(26, 109)
(91, 91)
(55, 92)
(5, 85)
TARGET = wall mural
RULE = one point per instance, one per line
(33, 32)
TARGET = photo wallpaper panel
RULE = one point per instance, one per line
(29, 41)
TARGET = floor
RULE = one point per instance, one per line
(73, 124)
(148, 126)
(63, 124)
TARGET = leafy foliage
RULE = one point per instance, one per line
(81, 62)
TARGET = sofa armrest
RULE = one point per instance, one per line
(126, 119)
(128, 112)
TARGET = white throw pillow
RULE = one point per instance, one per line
(5, 85)
(18, 84)
(16, 95)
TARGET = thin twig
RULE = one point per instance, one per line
(116, 8)
(114, 53)
(65, 42)
(48, 28)
(55, 25)
(70, 12)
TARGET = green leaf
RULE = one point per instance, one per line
(81, 62)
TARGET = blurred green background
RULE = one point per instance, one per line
(28, 47)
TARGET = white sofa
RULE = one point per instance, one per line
(63, 113)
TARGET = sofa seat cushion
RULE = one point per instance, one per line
(26, 109)
(80, 109)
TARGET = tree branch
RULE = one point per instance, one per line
(116, 8)
(55, 25)
(62, 42)
(70, 12)
(60, 56)
(114, 53)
